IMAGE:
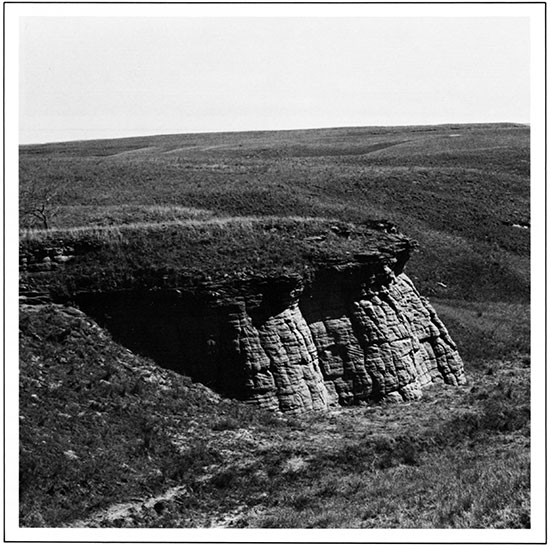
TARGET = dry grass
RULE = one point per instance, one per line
(486, 330)
(457, 458)
(186, 254)
(108, 232)
(75, 216)
(459, 197)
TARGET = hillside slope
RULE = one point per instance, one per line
(461, 191)
(109, 439)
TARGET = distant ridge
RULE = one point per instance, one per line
(295, 130)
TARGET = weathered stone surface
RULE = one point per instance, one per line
(343, 332)
(347, 336)
(332, 343)
(343, 325)
(286, 341)
(391, 343)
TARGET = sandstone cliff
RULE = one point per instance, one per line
(345, 331)
(348, 336)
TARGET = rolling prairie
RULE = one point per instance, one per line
(457, 458)
(461, 191)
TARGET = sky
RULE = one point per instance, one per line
(107, 77)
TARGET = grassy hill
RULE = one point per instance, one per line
(240, 202)
(461, 191)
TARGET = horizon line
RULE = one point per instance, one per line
(295, 129)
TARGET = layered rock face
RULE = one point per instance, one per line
(387, 344)
(331, 320)
(353, 333)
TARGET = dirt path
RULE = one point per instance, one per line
(127, 510)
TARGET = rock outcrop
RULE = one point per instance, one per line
(344, 326)
(352, 334)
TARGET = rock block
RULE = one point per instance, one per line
(384, 343)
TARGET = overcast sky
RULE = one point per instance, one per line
(92, 77)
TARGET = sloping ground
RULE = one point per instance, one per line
(97, 422)
(459, 190)
(109, 439)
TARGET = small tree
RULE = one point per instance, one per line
(37, 205)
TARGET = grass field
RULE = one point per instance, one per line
(191, 205)
(461, 191)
